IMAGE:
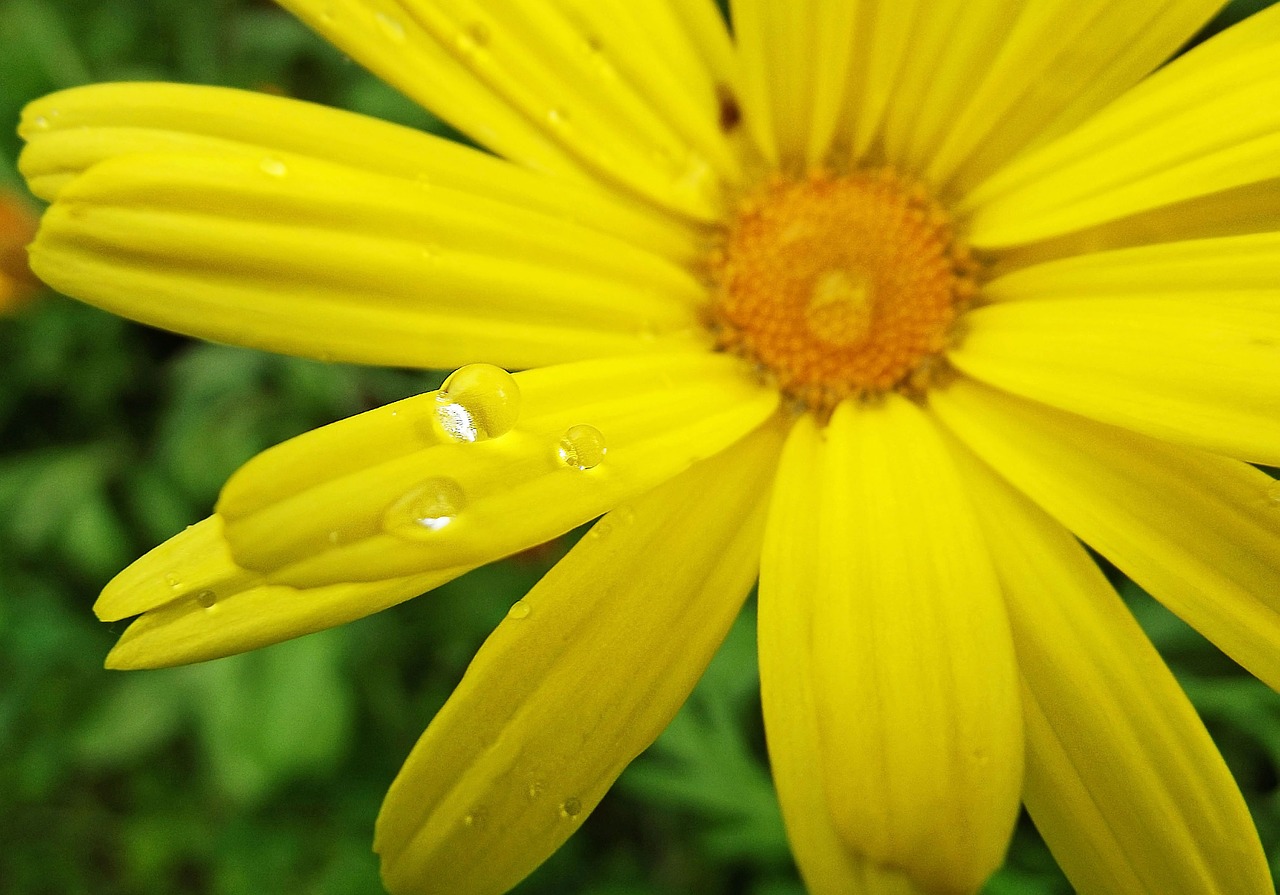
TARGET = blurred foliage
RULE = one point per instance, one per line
(263, 773)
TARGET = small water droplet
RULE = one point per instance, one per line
(41, 122)
(391, 27)
(173, 581)
(1273, 494)
(582, 447)
(557, 117)
(274, 167)
(474, 819)
(473, 38)
(519, 609)
(427, 508)
(334, 536)
(477, 402)
(535, 789)
(570, 808)
(206, 598)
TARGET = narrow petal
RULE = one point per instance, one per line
(582, 675)
(1201, 370)
(1199, 532)
(796, 64)
(72, 130)
(1207, 122)
(307, 513)
(913, 677)
(1235, 266)
(948, 49)
(788, 606)
(1028, 71)
(197, 604)
(539, 84)
(1122, 777)
(301, 256)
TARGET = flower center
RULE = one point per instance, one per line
(841, 286)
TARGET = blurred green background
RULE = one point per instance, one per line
(263, 773)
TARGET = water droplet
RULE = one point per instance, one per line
(334, 536)
(41, 122)
(474, 819)
(206, 598)
(473, 38)
(535, 789)
(477, 402)
(1273, 494)
(557, 117)
(427, 508)
(570, 808)
(173, 581)
(519, 609)
(582, 447)
(274, 167)
(391, 27)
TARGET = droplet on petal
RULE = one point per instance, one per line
(392, 28)
(274, 167)
(477, 402)
(582, 447)
(427, 508)
(519, 609)
(206, 598)
(570, 808)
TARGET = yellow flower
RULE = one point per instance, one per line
(887, 302)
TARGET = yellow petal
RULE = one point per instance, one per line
(1122, 778)
(948, 49)
(303, 256)
(72, 130)
(1028, 71)
(788, 606)
(1234, 266)
(197, 604)
(536, 84)
(1202, 370)
(579, 678)
(1207, 122)
(1199, 532)
(913, 680)
(307, 515)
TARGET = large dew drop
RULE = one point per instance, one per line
(477, 402)
(582, 447)
(426, 509)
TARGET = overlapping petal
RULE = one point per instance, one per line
(1206, 123)
(1019, 73)
(914, 687)
(308, 514)
(1201, 370)
(556, 87)
(582, 675)
(198, 604)
(304, 256)
(1122, 778)
(1199, 532)
(71, 130)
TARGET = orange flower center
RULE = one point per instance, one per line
(841, 286)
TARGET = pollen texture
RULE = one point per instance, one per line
(841, 286)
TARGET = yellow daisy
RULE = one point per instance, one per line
(885, 302)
